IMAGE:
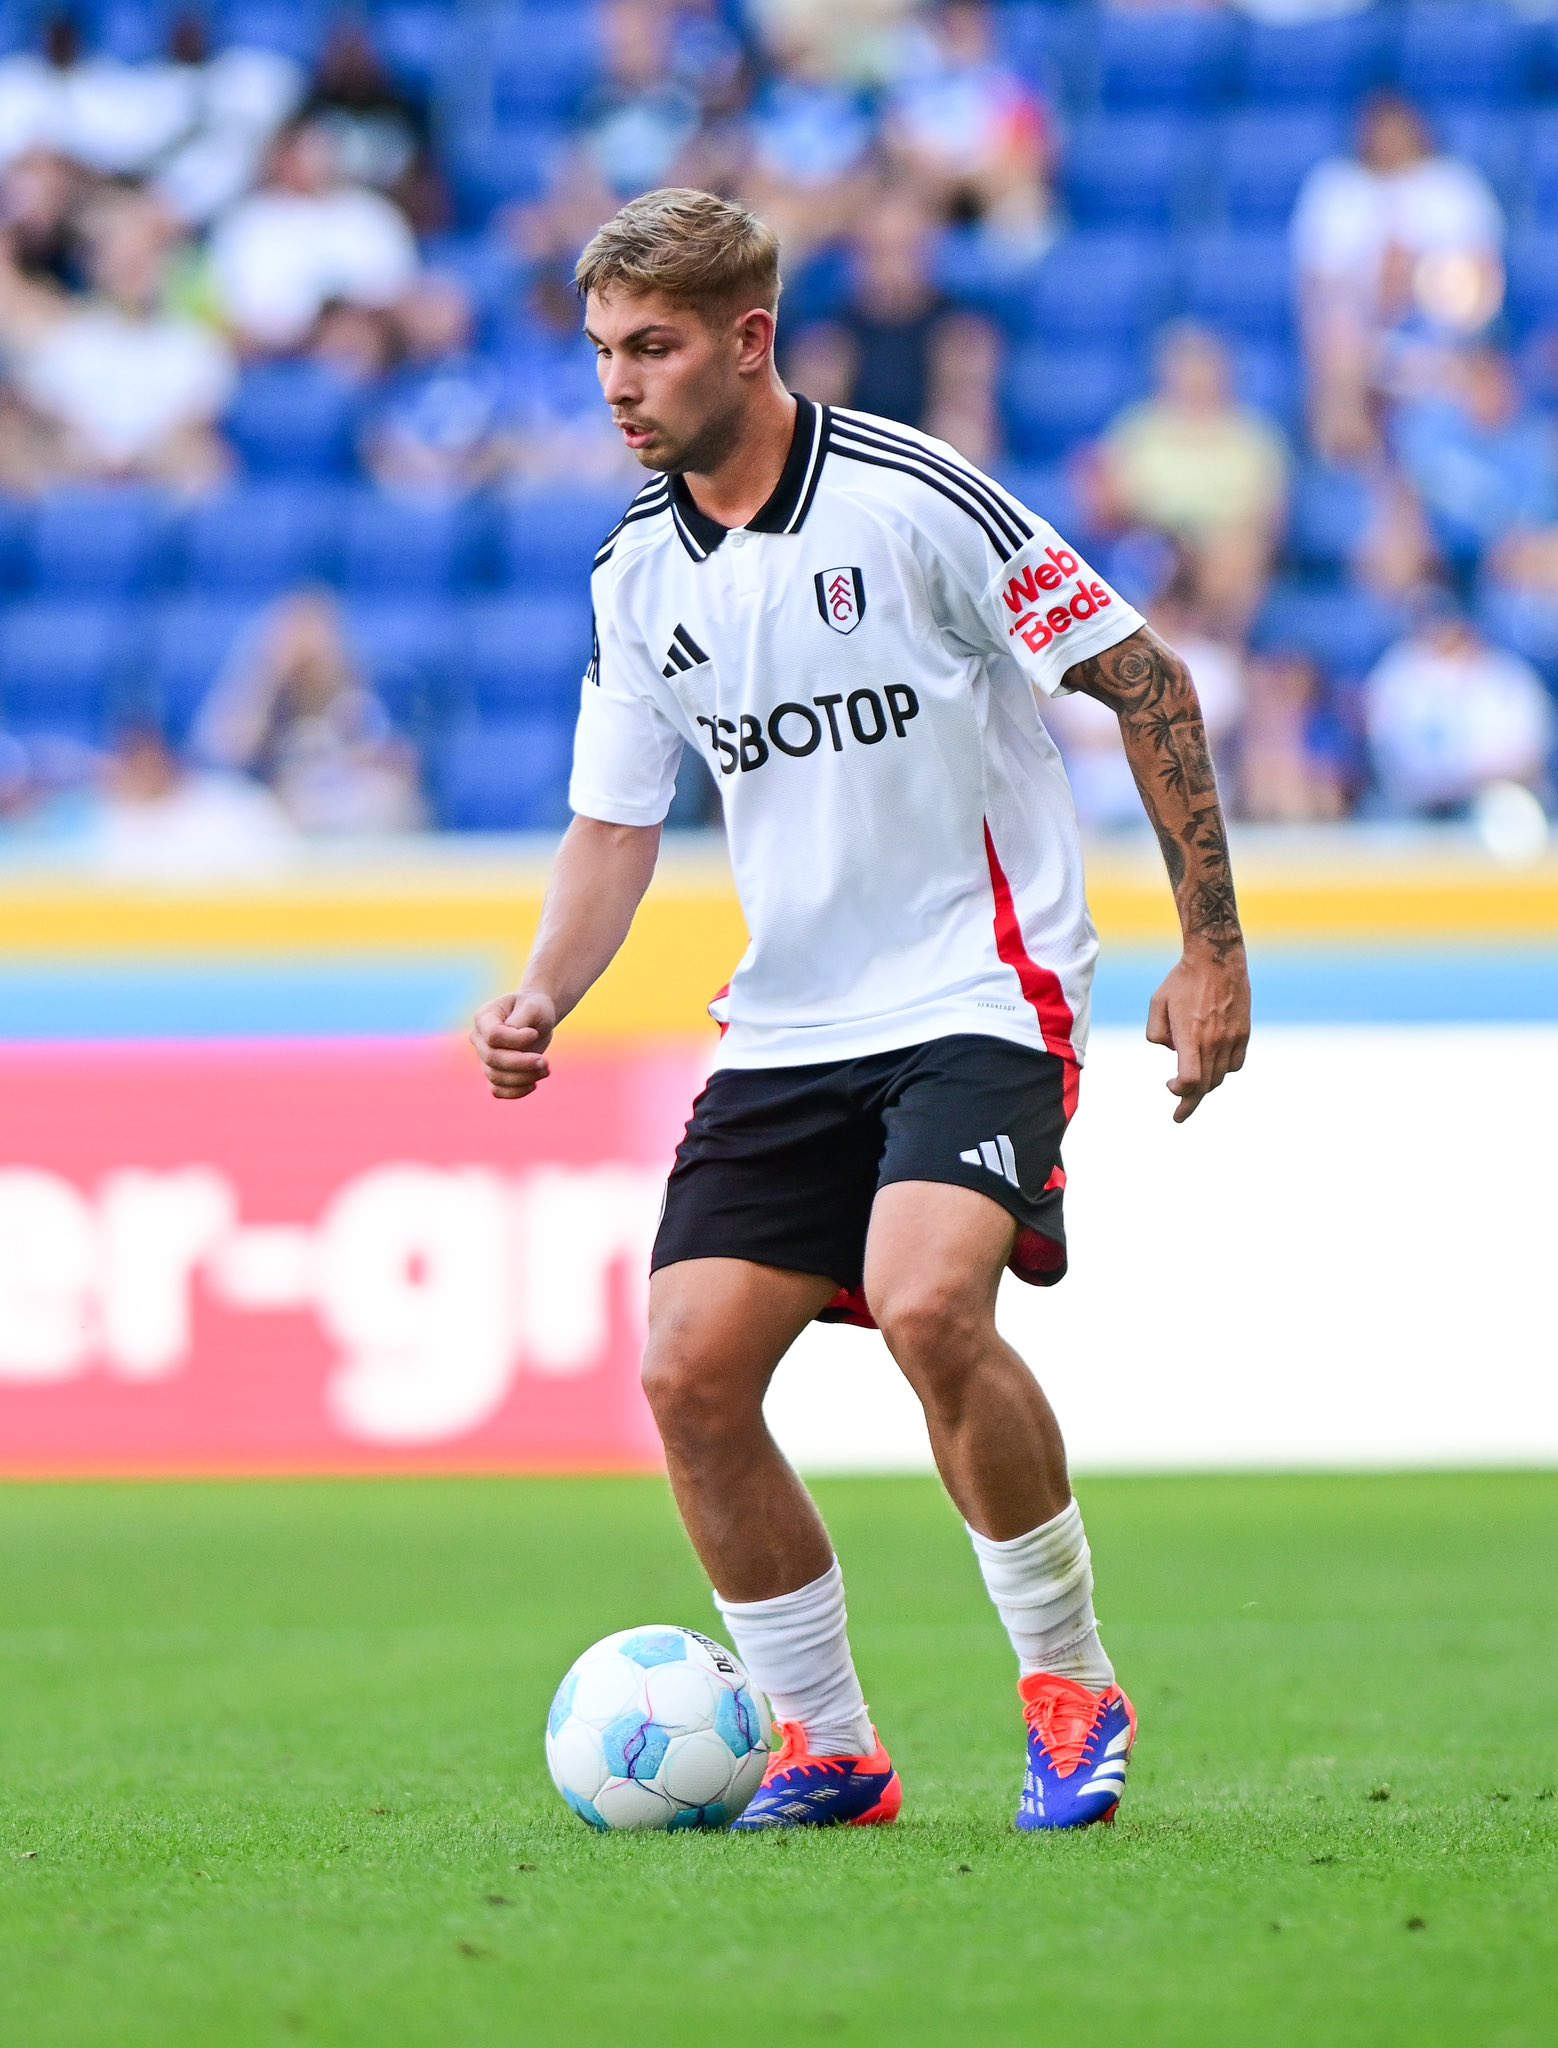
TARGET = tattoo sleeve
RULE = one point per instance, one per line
(1149, 689)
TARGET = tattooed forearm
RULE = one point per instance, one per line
(1149, 689)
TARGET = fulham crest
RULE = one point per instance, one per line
(841, 598)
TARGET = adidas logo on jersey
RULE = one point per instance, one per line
(996, 1156)
(683, 653)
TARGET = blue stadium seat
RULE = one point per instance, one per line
(1056, 399)
(538, 61)
(1532, 260)
(134, 31)
(1264, 155)
(297, 28)
(407, 545)
(489, 167)
(548, 536)
(1110, 288)
(295, 419)
(413, 39)
(262, 538)
(1270, 377)
(1327, 63)
(191, 639)
(487, 266)
(1491, 138)
(1465, 52)
(408, 656)
(1344, 631)
(1242, 283)
(1151, 58)
(1328, 516)
(504, 775)
(16, 516)
(1541, 165)
(1049, 46)
(67, 668)
(101, 540)
(1048, 490)
(982, 272)
(1525, 621)
(524, 654)
(1138, 172)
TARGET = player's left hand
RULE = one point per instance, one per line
(1202, 1013)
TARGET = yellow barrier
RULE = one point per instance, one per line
(689, 934)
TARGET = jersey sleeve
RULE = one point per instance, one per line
(1048, 610)
(1044, 605)
(626, 750)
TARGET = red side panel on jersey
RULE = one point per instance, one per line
(1041, 985)
(719, 996)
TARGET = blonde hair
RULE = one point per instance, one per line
(709, 254)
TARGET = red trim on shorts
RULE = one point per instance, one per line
(848, 1306)
(1036, 1258)
(1041, 985)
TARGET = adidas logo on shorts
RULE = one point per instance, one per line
(997, 1156)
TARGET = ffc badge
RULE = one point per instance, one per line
(841, 598)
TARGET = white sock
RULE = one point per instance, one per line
(1042, 1585)
(797, 1649)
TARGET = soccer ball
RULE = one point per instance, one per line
(657, 1727)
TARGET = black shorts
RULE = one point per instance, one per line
(780, 1165)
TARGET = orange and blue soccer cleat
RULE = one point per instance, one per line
(1079, 1745)
(800, 1790)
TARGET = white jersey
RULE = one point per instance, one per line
(857, 665)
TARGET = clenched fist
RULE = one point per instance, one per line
(511, 1035)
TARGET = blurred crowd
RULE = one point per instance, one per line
(1248, 301)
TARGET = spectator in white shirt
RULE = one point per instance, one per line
(1446, 714)
(306, 237)
(1396, 237)
(973, 134)
(119, 386)
(162, 822)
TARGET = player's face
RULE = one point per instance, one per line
(670, 376)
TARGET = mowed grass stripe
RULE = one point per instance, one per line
(270, 1771)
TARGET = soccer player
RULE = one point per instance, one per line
(850, 623)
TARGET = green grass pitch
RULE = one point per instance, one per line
(270, 1772)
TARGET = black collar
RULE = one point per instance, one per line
(786, 509)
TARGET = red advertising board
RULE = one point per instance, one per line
(326, 1257)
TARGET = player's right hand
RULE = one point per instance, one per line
(511, 1035)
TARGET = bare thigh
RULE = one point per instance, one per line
(718, 1329)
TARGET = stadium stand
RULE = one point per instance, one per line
(1155, 164)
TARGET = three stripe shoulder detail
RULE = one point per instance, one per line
(653, 498)
(1005, 524)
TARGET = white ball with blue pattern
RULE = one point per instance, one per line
(657, 1727)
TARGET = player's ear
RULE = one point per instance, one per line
(754, 337)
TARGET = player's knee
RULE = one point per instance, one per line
(934, 1326)
(691, 1397)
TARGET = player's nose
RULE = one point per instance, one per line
(619, 384)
